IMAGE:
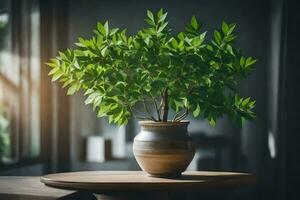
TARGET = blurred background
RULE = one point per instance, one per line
(44, 131)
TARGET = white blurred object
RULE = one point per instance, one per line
(4, 17)
(119, 143)
(194, 164)
(272, 147)
(98, 149)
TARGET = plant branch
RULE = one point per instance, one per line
(176, 115)
(137, 116)
(132, 110)
(147, 110)
(156, 108)
(165, 105)
(160, 106)
(181, 117)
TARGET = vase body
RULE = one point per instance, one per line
(163, 149)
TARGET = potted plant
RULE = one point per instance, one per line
(155, 70)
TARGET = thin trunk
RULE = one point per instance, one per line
(165, 106)
(177, 115)
(147, 111)
(183, 116)
(156, 108)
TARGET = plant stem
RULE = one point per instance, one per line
(165, 105)
(147, 111)
(160, 106)
(176, 115)
(137, 116)
(181, 117)
(156, 108)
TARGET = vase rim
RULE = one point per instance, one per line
(168, 123)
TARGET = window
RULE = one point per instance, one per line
(20, 76)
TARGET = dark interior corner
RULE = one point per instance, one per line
(45, 131)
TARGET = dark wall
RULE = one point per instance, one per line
(290, 109)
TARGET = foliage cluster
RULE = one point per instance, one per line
(158, 70)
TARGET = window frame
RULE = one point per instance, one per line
(54, 104)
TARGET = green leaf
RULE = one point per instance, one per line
(229, 48)
(100, 113)
(230, 38)
(202, 36)
(53, 64)
(178, 105)
(150, 15)
(160, 13)
(74, 88)
(225, 28)
(197, 111)
(80, 44)
(250, 61)
(162, 27)
(245, 101)
(104, 108)
(113, 31)
(123, 121)
(150, 22)
(88, 91)
(194, 23)
(209, 47)
(100, 28)
(119, 115)
(197, 41)
(97, 101)
(103, 51)
(57, 75)
(212, 121)
(53, 71)
(174, 43)
(106, 28)
(68, 82)
(242, 61)
(91, 98)
(231, 28)
(115, 109)
(147, 41)
(62, 55)
(162, 17)
(252, 104)
(217, 37)
(180, 36)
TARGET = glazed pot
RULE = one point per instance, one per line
(163, 149)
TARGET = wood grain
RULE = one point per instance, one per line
(28, 188)
(114, 185)
(114, 181)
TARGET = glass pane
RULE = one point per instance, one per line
(35, 81)
(9, 69)
(9, 78)
(20, 79)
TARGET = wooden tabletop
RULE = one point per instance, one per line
(140, 181)
(28, 188)
(113, 183)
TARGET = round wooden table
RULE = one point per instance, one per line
(135, 184)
